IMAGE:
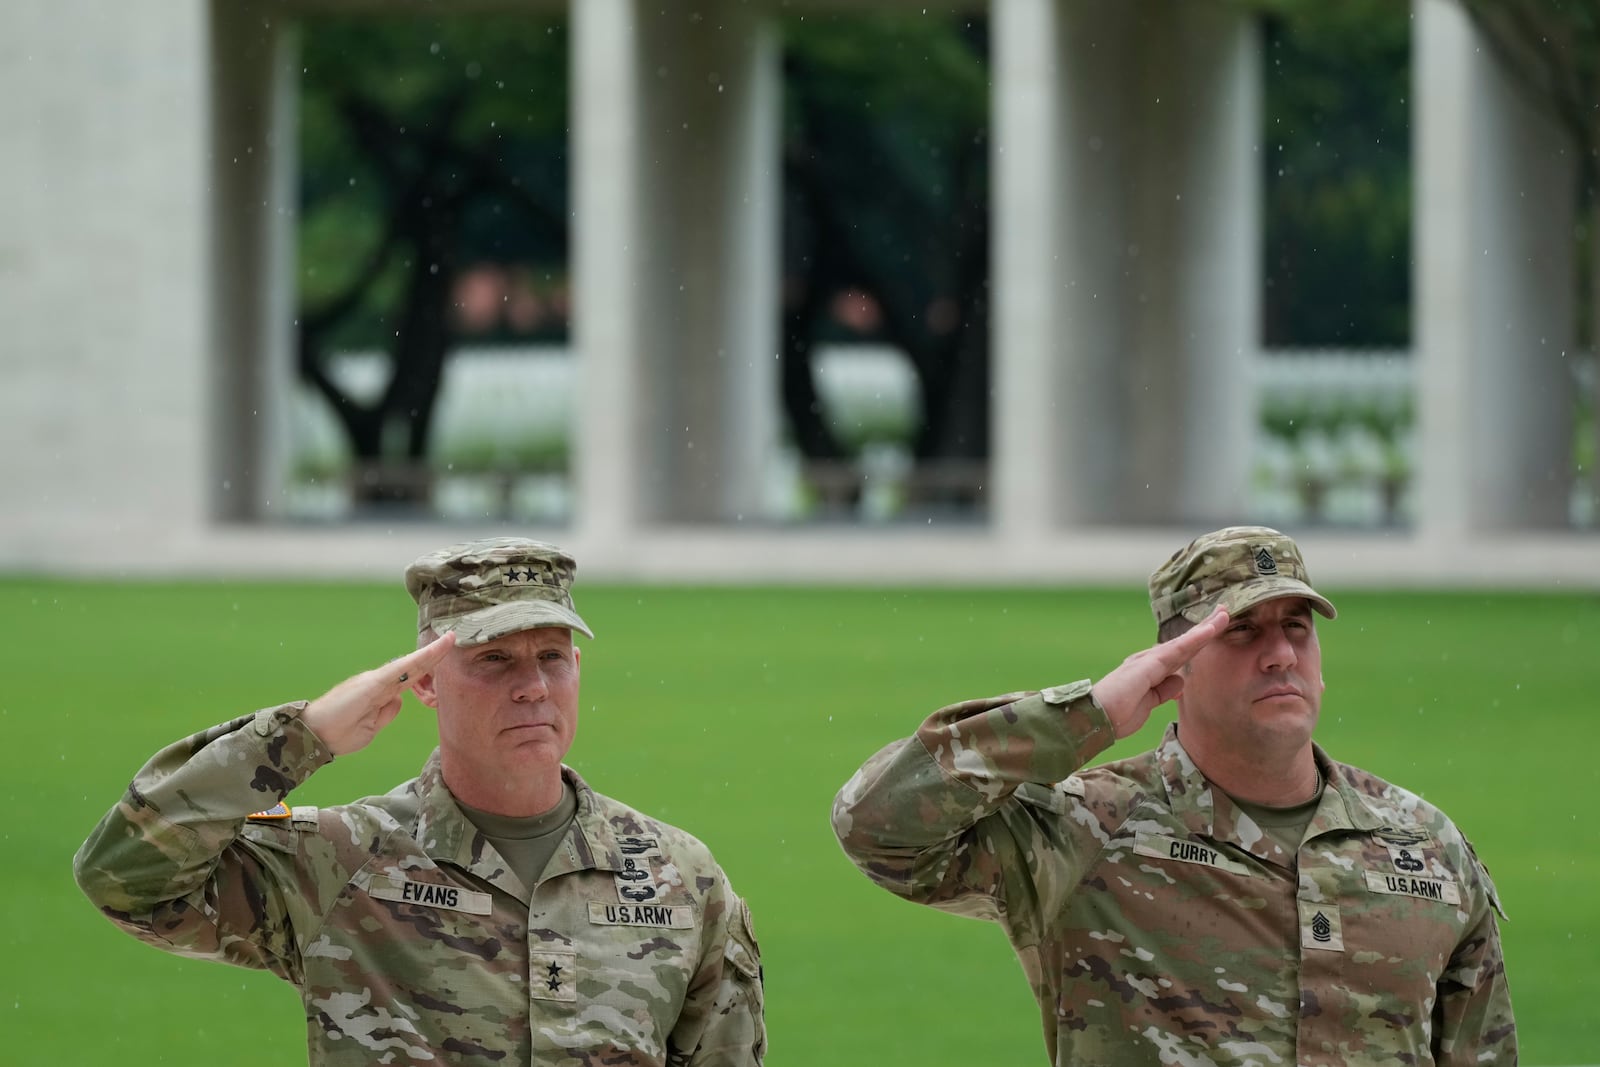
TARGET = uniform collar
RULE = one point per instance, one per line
(448, 836)
(1207, 811)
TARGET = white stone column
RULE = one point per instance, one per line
(751, 404)
(1160, 260)
(253, 181)
(1219, 300)
(1097, 263)
(102, 273)
(1494, 284)
(1028, 355)
(609, 464)
(710, 233)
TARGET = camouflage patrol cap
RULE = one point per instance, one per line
(483, 590)
(1237, 567)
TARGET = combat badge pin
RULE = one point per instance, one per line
(638, 846)
(1414, 860)
(635, 884)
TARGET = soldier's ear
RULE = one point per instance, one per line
(423, 687)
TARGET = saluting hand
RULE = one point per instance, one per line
(347, 717)
(1150, 678)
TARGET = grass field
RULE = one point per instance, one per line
(737, 713)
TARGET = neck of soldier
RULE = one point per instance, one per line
(514, 796)
(1272, 775)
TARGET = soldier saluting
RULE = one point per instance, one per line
(1234, 896)
(493, 910)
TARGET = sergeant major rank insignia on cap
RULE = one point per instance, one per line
(1265, 564)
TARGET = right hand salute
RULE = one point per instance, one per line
(347, 717)
(1150, 678)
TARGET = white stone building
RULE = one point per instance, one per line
(146, 179)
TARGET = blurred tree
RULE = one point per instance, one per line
(1338, 84)
(1337, 212)
(886, 215)
(428, 145)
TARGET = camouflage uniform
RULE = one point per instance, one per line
(1156, 921)
(407, 936)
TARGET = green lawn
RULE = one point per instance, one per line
(737, 713)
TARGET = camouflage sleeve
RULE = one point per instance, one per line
(722, 1023)
(1473, 1023)
(167, 864)
(931, 818)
